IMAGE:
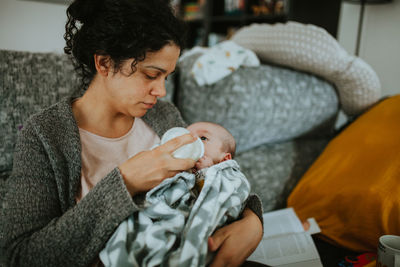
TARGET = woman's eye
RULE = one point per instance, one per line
(203, 138)
(151, 77)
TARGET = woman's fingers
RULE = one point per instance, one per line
(175, 143)
(149, 168)
(217, 239)
(221, 241)
(180, 166)
(236, 241)
(171, 163)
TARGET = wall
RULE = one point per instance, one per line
(32, 26)
(380, 40)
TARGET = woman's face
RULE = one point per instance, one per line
(134, 94)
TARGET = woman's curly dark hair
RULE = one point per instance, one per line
(120, 29)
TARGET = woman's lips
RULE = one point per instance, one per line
(148, 105)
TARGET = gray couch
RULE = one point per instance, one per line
(281, 118)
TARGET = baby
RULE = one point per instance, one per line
(219, 146)
(180, 214)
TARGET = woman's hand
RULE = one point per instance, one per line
(236, 241)
(147, 169)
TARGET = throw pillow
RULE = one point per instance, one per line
(311, 49)
(353, 189)
(259, 105)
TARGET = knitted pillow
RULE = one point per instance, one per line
(353, 189)
(312, 49)
(259, 105)
(28, 83)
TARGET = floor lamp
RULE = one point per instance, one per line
(361, 17)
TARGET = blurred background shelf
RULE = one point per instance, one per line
(212, 21)
(248, 18)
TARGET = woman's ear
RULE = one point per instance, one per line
(102, 64)
(227, 156)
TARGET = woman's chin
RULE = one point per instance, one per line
(139, 113)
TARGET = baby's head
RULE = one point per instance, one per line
(219, 144)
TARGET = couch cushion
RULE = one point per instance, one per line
(353, 189)
(29, 82)
(310, 48)
(274, 169)
(259, 105)
(170, 88)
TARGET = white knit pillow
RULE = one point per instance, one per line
(311, 49)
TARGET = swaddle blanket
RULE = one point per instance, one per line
(173, 227)
(219, 61)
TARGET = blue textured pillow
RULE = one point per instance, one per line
(258, 105)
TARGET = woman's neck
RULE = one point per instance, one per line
(94, 113)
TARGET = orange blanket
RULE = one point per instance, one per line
(353, 189)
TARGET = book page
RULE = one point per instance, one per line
(286, 249)
(281, 222)
(285, 243)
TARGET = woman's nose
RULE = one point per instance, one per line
(159, 89)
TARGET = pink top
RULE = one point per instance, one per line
(100, 155)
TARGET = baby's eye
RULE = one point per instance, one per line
(203, 138)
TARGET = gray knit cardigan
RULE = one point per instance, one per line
(40, 222)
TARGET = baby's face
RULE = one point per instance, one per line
(212, 138)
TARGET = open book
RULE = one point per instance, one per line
(285, 242)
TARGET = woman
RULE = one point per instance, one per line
(78, 163)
